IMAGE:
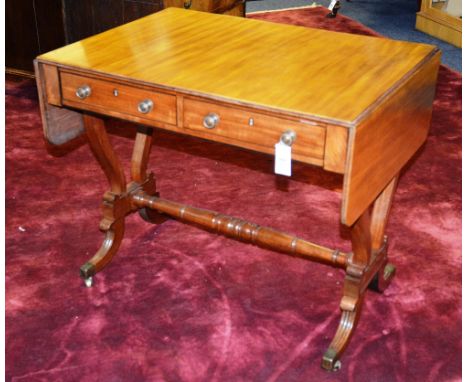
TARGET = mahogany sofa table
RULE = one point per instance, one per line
(356, 105)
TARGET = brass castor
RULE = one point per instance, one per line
(88, 282)
(330, 361)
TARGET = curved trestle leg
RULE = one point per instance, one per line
(115, 204)
(386, 272)
(140, 156)
(368, 268)
(380, 214)
(113, 238)
(348, 323)
(351, 304)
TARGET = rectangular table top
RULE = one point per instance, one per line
(332, 76)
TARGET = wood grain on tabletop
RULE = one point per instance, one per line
(309, 71)
(383, 143)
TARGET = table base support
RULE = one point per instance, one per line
(374, 273)
(243, 230)
(366, 266)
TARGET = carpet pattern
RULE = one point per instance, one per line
(181, 304)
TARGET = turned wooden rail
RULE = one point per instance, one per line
(243, 230)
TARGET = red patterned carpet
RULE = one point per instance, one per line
(180, 304)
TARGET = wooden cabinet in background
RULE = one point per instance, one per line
(435, 19)
(38, 26)
(31, 27)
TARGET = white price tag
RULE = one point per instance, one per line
(282, 159)
(332, 4)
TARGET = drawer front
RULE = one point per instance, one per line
(255, 129)
(119, 98)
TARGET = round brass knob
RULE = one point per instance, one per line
(288, 137)
(83, 92)
(145, 106)
(211, 120)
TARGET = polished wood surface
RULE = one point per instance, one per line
(244, 231)
(336, 144)
(141, 152)
(380, 214)
(60, 125)
(360, 106)
(102, 98)
(257, 129)
(114, 208)
(52, 85)
(382, 143)
(331, 76)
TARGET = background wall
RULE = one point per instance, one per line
(37, 26)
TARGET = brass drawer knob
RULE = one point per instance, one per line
(288, 137)
(145, 106)
(83, 92)
(211, 120)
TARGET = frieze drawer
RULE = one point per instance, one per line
(96, 94)
(243, 127)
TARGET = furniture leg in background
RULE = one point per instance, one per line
(334, 7)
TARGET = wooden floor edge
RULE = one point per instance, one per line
(19, 72)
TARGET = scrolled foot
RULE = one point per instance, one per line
(348, 323)
(113, 238)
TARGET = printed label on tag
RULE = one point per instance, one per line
(282, 159)
(332, 4)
